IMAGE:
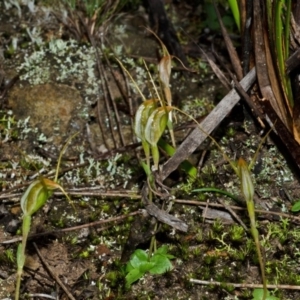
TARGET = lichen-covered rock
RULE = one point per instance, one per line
(50, 108)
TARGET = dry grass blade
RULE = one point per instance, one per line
(217, 71)
(266, 73)
(236, 63)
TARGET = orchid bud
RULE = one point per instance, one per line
(156, 124)
(35, 197)
(155, 127)
(247, 187)
(164, 68)
(141, 117)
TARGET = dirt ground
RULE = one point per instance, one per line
(51, 89)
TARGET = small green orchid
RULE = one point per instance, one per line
(32, 200)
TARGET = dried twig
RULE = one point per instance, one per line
(162, 215)
(232, 212)
(246, 285)
(54, 276)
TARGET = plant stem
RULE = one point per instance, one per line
(255, 235)
(21, 253)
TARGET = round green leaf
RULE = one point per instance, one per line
(296, 206)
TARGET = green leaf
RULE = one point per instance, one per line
(162, 264)
(139, 264)
(146, 266)
(170, 256)
(129, 267)
(162, 250)
(258, 294)
(133, 276)
(296, 206)
(139, 256)
(236, 13)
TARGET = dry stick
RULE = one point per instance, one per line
(201, 160)
(293, 62)
(246, 285)
(41, 296)
(254, 108)
(208, 125)
(100, 124)
(102, 129)
(160, 214)
(36, 235)
(228, 208)
(86, 191)
(221, 76)
(55, 277)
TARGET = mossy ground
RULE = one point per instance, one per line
(103, 187)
